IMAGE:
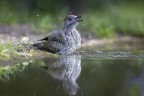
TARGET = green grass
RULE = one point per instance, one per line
(9, 51)
(22, 51)
(6, 50)
(124, 19)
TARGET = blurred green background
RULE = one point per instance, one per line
(102, 18)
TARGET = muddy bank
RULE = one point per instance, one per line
(121, 42)
(14, 35)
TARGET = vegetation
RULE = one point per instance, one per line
(6, 50)
(107, 19)
(22, 51)
(7, 71)
(22, 68)
(9, 50)
(123, 18)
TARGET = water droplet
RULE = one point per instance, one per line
(60, 18)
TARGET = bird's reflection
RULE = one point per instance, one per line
(66, 69)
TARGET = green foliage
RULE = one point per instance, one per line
(129, 19)
(123, 19)
(43, 24)
(11, 16)
(106, 22)
(98, 24)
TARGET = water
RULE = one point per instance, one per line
(97, 73)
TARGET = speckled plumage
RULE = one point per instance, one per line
(64, 41)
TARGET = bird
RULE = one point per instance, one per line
(64, 41)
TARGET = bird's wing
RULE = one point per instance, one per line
(50, 36)
(56, 37)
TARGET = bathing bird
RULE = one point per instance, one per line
(64, 41)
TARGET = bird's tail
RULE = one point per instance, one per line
(39, 45)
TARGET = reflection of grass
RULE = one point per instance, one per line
(102, 23)
(8, 71)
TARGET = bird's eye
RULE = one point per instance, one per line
(69, 19)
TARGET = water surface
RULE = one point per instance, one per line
(96, 73)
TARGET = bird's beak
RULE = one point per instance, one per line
(79, 18)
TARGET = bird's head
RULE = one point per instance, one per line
(71, 21)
